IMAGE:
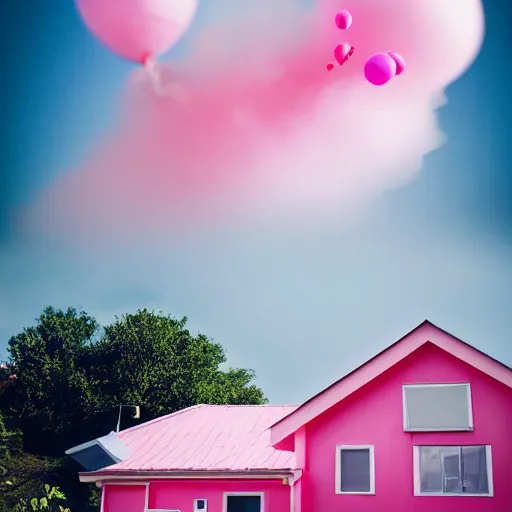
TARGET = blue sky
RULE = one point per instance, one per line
(438, 248)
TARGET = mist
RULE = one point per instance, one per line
(250, 126)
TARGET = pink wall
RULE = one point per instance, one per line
(180, 495)
(373, 416)
(125, 498)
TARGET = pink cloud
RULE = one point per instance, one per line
(252, 125)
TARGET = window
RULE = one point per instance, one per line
(243, 502)
(355, 470)
(437, 408)
(201, 505)
(453, 470)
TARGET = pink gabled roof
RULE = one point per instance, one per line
(424, 333)
(205, 438)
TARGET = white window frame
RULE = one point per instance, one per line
(338, 469)
(417, 473)
(428, 385)
(201, 509)
(228, 494)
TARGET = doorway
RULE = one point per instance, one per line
(244, 502)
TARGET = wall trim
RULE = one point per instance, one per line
(138, 478)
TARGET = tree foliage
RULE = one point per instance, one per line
(152, 360)
(51, 501)
(52, 390)
(72, 376)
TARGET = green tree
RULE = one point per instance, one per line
(21, 474)
(25, 475)
(7, 438)
(71, 380)
(51, 501)
(153, 360)
(53, 392)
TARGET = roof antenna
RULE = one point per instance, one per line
(135, 416)
(119, 419)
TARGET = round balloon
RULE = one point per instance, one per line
(380, 68)
(399, 61)
(343, 20)
(137, 29)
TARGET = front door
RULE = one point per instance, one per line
(244, 503)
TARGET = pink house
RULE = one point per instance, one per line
(424, 426)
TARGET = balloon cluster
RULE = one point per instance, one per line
(134, 31)
(379, 68)
(343, 51)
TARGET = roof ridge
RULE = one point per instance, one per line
(250, 405)
(446, 338)
(160, 418)
(197, 406)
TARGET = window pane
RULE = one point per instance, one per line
(437, 407)
(244, 503)
(451, 466)
(355, 470)
(453, 469)
(474, 464)
(431, 473)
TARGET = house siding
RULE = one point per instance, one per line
(373, 416)
(123, 498)
(180, 495)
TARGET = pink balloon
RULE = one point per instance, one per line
(379, 69)
(342, 52)
(137, 29)
(399, 61)
(329, 66)
(343, 20)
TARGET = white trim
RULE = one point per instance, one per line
(337, 470)
(96, 442)
(102, 503)
(417, 478)
(182, 475)
(490, 476)
(83, 446)
(228, 494)
(446, 385)
(292, 498)
(416, 470)
(146, 499)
